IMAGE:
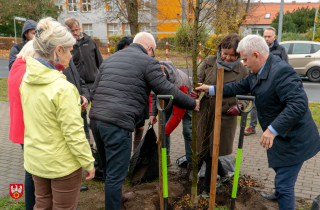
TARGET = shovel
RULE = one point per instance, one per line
(163, 146)
(244, 115)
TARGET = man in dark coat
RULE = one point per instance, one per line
(269, 36)
(87, 59)
(28, 32)
(290, 134)
(119, 96)
(85, 54)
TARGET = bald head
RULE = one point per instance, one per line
(147, 41)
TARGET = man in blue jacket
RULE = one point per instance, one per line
(290, 134)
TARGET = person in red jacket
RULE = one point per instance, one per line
(16, 132)
(176, 114)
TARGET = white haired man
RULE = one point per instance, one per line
(269, 36)
(290, 134)
(119, 96)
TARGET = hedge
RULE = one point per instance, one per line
(6, 42)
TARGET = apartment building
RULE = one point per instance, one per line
(100, 18)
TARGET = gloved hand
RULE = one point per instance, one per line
(234, 110)
(195, 95)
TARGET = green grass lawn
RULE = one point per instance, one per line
(8, 203)
(3, 89)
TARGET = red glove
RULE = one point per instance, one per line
(234, 110)
(195, 95)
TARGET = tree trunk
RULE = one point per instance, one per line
(132, 9)
(244, 16)
(195, 34)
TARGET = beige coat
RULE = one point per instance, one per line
(207, 74)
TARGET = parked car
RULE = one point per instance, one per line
(304, 57)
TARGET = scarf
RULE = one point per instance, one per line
(227, 66)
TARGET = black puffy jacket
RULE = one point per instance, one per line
(122, 87)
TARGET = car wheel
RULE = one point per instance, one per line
(314, 74)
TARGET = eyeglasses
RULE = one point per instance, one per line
(153, 55)
(75, 30)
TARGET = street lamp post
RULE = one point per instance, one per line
(280, 21)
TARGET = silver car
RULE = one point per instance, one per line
(304, 57)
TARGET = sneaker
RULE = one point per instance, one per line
(249, 131)
(168, 161)
(205, 194)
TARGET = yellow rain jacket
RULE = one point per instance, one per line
(55, 144)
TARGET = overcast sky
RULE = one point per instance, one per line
(287, 1)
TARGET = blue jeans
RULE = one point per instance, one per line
(187, 134)
(30, 198)
(285, 180)
(114, 147)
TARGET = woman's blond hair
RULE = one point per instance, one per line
(49, 34)
(26, 51)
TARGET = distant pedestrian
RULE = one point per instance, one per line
(119, 96)
(87, 59)
(290, 134)
(55, 147)
(269, 36)
(28, 32)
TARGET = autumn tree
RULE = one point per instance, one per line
(30, 9)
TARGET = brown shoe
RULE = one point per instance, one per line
(126, 196)
(249, 131)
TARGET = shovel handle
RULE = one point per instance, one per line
(248, 98)
(165, 97)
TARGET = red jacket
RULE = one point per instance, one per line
(16, 134)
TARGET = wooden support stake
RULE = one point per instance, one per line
(160, 158)
(216, 138)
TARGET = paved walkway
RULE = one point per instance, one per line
(254, 160)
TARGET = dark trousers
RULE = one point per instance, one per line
(85, 124)
(30, 198)
(285, 181)
(221, 171)
(114, 147)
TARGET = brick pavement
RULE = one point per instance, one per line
(11, 156)
(254, 160)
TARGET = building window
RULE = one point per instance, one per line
(86, 5)
(113, 29)
(267, 16)
(58, 3)
(258, 31)
(87, 29)
(144, 4)
(111, 5)
(126, 29)
(145, 27)
(72, 5)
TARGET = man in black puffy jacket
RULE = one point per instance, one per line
(119, 95)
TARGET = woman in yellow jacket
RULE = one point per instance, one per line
(55, 146)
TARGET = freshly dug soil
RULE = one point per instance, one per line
(146, 196)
